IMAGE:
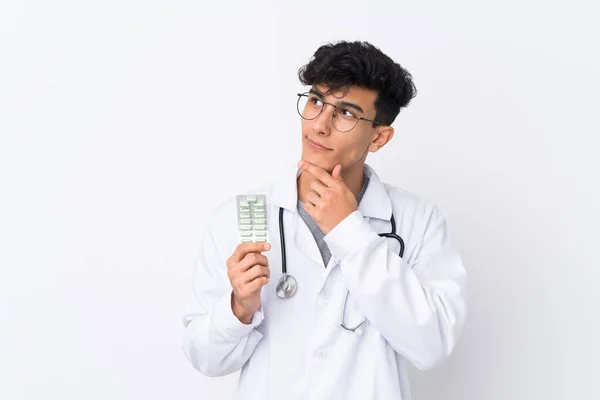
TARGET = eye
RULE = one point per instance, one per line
(315, 101)
(348, 113)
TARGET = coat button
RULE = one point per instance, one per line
(325, 295)
(321, 353)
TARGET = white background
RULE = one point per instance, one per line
(122, 124)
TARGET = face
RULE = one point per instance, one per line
(325, 146)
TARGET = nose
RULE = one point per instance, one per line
(323, 123)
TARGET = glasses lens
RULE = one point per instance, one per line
(309, 106)
(345, 119)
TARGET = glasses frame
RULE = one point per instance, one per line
(335, 107)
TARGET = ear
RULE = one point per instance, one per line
(383, 135)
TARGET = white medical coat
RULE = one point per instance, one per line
(295, 348)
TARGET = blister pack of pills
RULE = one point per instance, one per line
(252, 218)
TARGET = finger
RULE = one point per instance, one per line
(256, 272)
(244, 248)
(252, 259)
(314, 199)
(310, 209)
(318, 187)
(318, 172)
(256, 284)
(337, 173)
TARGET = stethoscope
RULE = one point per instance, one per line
(287, 285)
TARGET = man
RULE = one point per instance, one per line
(365, 303)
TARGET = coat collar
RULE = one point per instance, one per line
(374, 204)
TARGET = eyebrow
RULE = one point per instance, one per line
(343, 103)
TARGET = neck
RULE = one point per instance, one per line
(353, 178)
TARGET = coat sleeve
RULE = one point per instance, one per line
(419, 308)
(215, 342)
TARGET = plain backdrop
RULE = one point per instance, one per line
(124, 123)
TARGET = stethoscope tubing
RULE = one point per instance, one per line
(287, 284)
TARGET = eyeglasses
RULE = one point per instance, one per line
(344, 117)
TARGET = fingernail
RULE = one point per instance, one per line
(267, 246)
(301, 163)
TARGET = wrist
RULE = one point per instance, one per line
(239, 311)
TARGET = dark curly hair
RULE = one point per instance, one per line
(343, 64)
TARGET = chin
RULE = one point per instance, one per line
(318, 161)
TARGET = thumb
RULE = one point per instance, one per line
(337, 172)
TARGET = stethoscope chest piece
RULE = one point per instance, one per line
(286, 287)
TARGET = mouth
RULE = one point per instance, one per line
(317, 146)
